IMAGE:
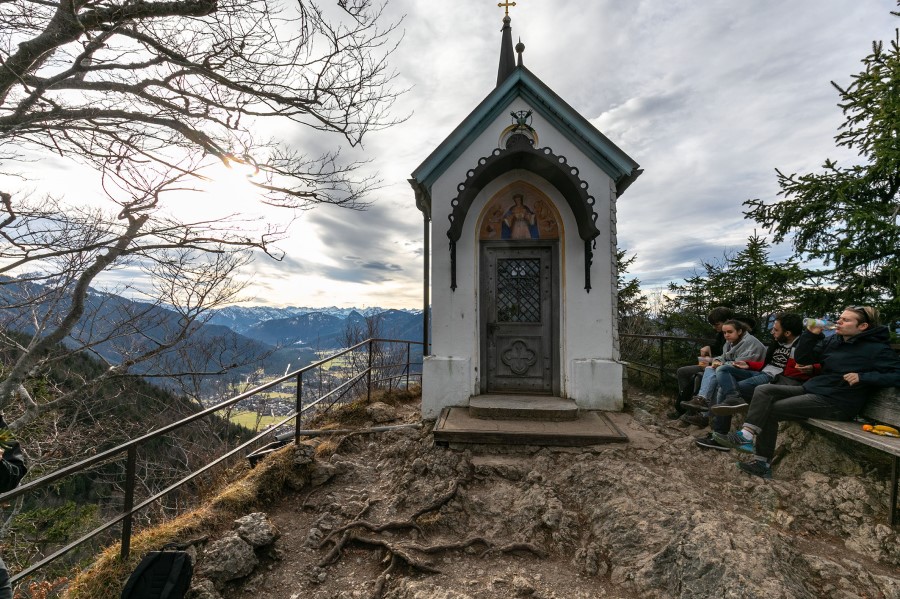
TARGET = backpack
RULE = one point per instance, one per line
(160, 575)
(12, 467)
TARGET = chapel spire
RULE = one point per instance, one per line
(507, 57)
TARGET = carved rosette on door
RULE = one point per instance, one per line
(518, 357)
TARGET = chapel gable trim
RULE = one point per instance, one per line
(542, 162)
(620, 167)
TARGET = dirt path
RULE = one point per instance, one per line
(657, 517)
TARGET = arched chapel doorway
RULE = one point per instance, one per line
(519, 270)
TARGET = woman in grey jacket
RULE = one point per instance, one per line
(739, 345)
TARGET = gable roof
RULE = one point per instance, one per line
(620, 167)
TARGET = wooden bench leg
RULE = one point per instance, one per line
(895, 469)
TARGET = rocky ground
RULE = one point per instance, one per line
(391, 515)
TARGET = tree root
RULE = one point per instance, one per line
(381, 581)
(438, 501)
(512, 547)
(411, 554)
(397, 550)
(436, 504)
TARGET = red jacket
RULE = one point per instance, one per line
(790, 369)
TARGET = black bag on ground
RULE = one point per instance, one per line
(160, 575)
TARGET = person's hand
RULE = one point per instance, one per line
(852, 378)
(716, 364)
(805, 369)
(705, 351)
(740, 364)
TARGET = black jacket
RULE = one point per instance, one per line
(867, 354)
(718, 344)
(12, 465)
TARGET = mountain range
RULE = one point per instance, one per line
(240, 339)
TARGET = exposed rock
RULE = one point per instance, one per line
(256, 529)
(302, 459)
(203, 588)
(522, 586)
(321, 473)
(381, 412)
(228, 558)
(304, 453)
(408, 589)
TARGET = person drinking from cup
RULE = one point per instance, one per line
(686, 375)
(740, 345)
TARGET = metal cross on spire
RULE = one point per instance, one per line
(505, 5)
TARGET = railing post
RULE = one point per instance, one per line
(130, 467)
(369, 385)
(408, 363)
(299, 407)
(662, 359)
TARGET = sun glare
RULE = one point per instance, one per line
(234, 179)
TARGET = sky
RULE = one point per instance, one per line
(708, 97)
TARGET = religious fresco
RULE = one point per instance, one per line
(517, 216)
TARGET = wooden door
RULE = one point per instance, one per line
(519, 312)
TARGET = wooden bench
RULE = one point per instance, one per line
(882, 408)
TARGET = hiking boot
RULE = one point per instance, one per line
(756, 468)
(696, 404)
(708, 442)
(694, 420)
(732, 404)
(734, 440)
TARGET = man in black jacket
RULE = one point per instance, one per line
(854, 362)
(12, 470)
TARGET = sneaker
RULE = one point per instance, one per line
(694, 420)
(734, 441)
(756, 468)
(708, 442)
(696, 404)
(732, 404)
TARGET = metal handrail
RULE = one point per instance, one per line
(660, 366)
(130, 447)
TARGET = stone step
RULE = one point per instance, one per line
(522, 407)
(457, 426)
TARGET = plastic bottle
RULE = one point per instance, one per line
(818, 322)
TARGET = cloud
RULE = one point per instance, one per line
(708, 97)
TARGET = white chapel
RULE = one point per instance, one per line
(521, 203)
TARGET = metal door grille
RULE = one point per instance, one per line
(519, 290)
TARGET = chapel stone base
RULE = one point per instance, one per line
(446, 381)
(597, 384)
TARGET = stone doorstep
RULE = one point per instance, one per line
(523, 407)
(456, 425)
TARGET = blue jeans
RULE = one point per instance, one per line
(709, 385)
(734, 381)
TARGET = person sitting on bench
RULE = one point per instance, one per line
(738, 380)
(687, 376)
(854, 361)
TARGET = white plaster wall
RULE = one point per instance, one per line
(589, 366)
